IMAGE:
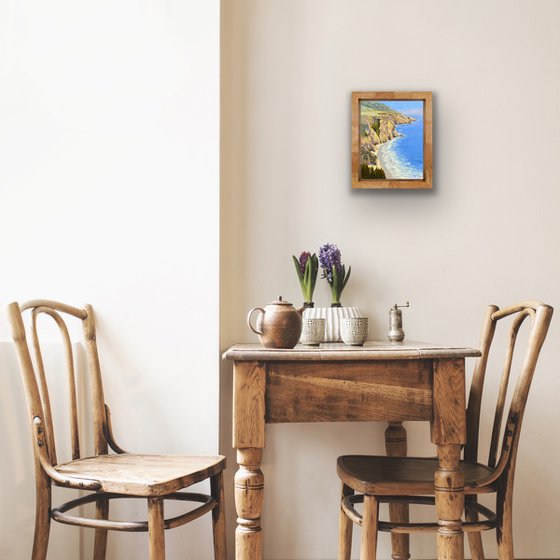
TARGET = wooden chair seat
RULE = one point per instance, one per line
(143, 475)
(396, 476)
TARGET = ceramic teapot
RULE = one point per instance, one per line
(278, 324)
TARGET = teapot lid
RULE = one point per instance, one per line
(280, 301)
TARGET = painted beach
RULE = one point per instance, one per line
(392, 139)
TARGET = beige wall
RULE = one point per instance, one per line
(487, 233)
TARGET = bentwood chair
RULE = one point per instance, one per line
(108, 476)
(376, 479)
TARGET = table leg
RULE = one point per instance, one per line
(249, 489)
(395, 446)
(248, 439)
(450, 502)
(448, 433)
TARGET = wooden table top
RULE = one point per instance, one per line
(334, 351)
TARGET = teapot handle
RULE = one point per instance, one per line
(249, 318)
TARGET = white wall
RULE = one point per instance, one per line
(109, 143)
(487, 233)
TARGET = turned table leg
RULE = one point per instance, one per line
(450, 502)
(395, 446)
(248, 439)
(249, 487)
(448, 433)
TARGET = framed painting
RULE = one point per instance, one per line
(391, 140)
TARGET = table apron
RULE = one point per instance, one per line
(351, 391)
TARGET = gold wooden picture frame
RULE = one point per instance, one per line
(392, 140)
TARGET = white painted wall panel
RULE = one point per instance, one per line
(109, 189)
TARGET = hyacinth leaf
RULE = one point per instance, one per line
(334, 276)
(300, 276)
(298, 270)
(305, 283)
(334, 286)
(307, 272)
(314, 270)
(310, 277)
(345, 281)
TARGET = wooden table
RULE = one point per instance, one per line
(334, 383)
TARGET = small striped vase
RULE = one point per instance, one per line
(333, 316)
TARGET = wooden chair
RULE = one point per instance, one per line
(109, 476)
(377, 479)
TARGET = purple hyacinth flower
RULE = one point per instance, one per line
(303, 258)
(329, 256)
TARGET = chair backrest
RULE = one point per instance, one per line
(539, 316)
(35, 379)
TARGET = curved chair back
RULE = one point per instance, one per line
(35, 379)
(539, 316)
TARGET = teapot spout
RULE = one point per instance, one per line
(306, 305)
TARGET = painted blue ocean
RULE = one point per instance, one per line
(403, 158)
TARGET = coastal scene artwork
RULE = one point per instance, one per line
(392, 140)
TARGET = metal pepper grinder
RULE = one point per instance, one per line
(396, 333)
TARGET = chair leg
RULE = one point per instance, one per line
(475, 539)
(400, 542)
(100, 543)
(369, 528)
(345, 528)
(475, 544)
(42, 515)
(504, 529)
(219, 516)
(156, 529)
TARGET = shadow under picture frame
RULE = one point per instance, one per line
(392, 140)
